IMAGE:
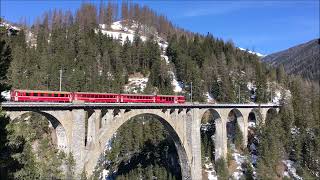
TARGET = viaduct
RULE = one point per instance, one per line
(84, 129)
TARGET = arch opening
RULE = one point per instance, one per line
(56, 130)
(271, 113)
(254, 120)
(212, 141)
(235, 128)
(209, 122)
(144, 145)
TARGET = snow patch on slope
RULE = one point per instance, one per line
(9, 26)
(291, 170)
(209, 169)
(209, 98)
(252, 52)
(177, 86)
(6, 95)
(120, 32)
(136, 84)
(240, 159)
(166, 58)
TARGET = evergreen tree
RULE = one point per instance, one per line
(70, 164)
(221, 169)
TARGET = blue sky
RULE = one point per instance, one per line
(264, 26)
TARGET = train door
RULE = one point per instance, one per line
(15, 96)
(71, 95)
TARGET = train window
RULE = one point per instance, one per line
(27, 94)
(55, 95)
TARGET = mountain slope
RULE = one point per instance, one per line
(302, 59)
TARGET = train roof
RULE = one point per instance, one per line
(95, 93)
(170, 95)
(138, 94)
(42, 91)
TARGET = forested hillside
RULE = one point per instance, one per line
(93, 61)
(303, 59)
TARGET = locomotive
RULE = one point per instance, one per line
(90, 97)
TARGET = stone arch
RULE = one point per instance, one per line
(255, 116)
(254, 120)
(172, 126)
(219, 142)
(59, 133)
(270, 113)
(236, 115)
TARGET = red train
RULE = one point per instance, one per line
(64, 97)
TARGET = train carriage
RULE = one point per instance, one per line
(40, 96)
(170, 99)
(96, 97)
(137, 98)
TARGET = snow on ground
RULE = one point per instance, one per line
(252, 52)
(295, 130)
(121, 35)
(163, 44)
(27, 118)
(117, 31)
(105, 173)
(9, 26)
(240, 159)
(136, 84)
(291, 170)
(277, 96)
(165, 58)
(252, 124)
(6, 95)
(211, 172)
(251, 86)
(205, 126)
(209, 97)
(177, 86)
